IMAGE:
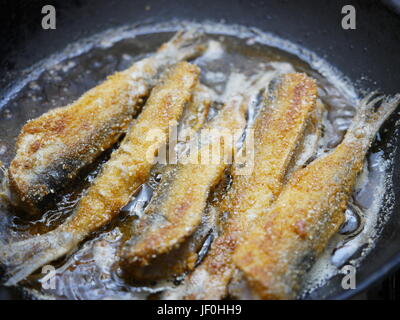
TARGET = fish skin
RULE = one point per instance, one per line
(277, 131)
(286, 240)
(180, 259)
(195, 115)
(51, 150)
(192, 238)
(180, 214)
(193, 119)
(174, 263)
(310, 145)
(128, 167)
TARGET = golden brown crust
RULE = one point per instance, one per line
(130, 164)
(79, 131)
(276, 133)
(181, 211)
(127, 169)
(309, 211)
(286, 240)
(53, 148)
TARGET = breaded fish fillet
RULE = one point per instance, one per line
(128, 167)
(178, 216)
(53, 148)
(286, 239)
(277, 131)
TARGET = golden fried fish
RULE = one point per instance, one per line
(128, 168)
(285, 240)
(52, 149)
(278, 129)
(177, 217)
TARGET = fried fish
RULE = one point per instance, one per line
(286, 240)
(177, 261)
(177, 217)
(52, 149)
(128, 168)
(192, 181)
(277, 130)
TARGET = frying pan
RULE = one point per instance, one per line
(368, 56)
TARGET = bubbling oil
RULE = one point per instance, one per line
(92, 272)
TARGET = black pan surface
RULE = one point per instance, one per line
(368, 56)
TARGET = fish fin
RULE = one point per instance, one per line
(373, 110)
(186, 44)
(5, 193)
(24, 257)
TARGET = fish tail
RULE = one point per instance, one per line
(24, 257)
(372, 112)
(185, 44)
(5, 193)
